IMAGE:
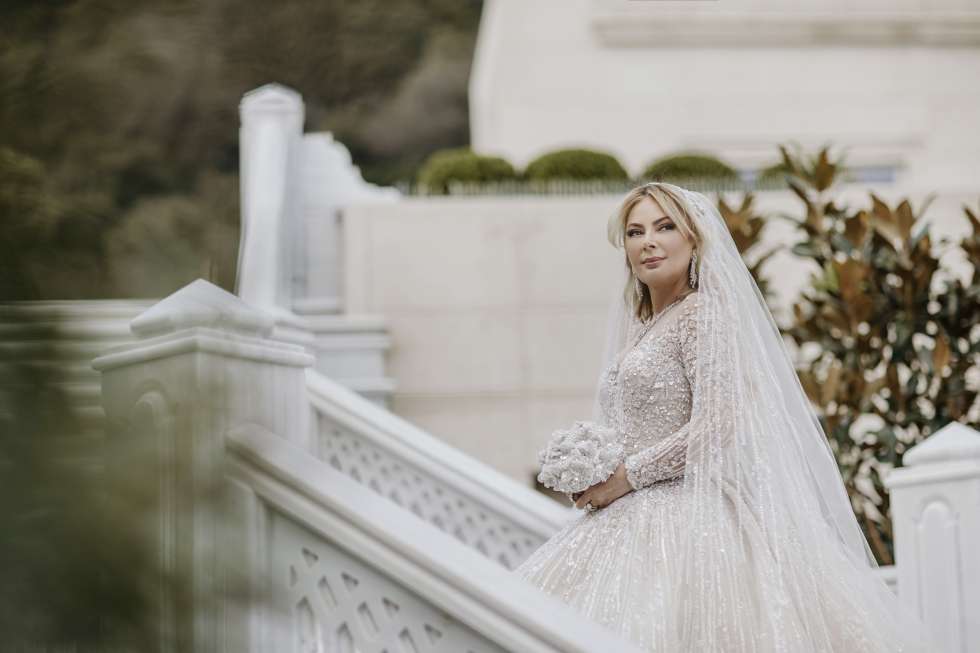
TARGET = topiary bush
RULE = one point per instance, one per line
(687, 166)
(462, 164)
(575, 163)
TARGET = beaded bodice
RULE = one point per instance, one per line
(647, 394)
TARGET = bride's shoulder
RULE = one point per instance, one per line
(689, 305)
(688, 315)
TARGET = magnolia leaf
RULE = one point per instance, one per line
(798, 189)
(904, 219)
(810, 385)
(940, 353)
(831, 280)
(804, 249)
(851, 274)
(829, 389)
(823, 175)
(856, 228)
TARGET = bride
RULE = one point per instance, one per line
(726, 527)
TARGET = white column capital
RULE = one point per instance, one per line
(270, 100)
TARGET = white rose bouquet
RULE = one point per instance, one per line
(579, 457)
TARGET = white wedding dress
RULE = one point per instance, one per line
(621, 565)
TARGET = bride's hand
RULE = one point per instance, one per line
(602, 494)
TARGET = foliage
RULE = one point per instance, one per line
(462, 165)
(679, 167)
(575, 163)
(746, 227)
(129, 111)
(167, 241)
(80, 550)
(776, 173)
(25, 214)
(897, 333)
(72, 563)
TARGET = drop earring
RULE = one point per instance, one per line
(638, 288)
(693, 270)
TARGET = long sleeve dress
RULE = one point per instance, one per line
(617, 565)
(621, 565)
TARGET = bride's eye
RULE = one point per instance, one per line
(667, 225)
(632, 232)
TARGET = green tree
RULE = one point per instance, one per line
(127, 107)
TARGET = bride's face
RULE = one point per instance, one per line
(652, 234)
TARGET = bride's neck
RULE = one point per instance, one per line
(662, 297)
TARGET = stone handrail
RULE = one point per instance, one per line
(458, 494)
(358, 571)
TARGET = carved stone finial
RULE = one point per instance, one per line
(201, 304)
(271, 98)
(953, 442)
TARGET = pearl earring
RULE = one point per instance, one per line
(638, 288)
(692, 271)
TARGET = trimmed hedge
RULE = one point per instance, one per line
(575, 163)
(683, 166)
(464, 165)
(773, 174)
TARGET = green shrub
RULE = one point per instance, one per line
(686, 166)
(771, 175)
(575, 164)
(895, 329)
(461, 165)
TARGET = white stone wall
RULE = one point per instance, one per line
(496, 307)
(893, 81)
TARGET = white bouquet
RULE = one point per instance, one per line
(579, 457)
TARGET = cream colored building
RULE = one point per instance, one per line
(896, 82)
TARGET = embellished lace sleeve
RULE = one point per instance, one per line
(666, 459)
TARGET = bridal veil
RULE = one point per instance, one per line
(756, 452)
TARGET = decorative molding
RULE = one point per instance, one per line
(645, 27)
(318, 305)
(211, 341)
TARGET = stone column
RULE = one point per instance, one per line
(272, 251)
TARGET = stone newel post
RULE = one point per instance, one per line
(935, 502)
(203, 365)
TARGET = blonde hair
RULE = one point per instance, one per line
(671, 199)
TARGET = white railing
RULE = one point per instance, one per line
(352, 571)
(462, 496)
(62, 337)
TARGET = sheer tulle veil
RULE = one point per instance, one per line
(758, 452)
